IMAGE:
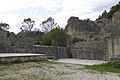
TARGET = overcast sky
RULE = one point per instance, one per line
(14, 12)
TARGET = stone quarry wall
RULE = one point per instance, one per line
(51, 51)
(57, 52)
(97, 50)
(114, 47)
(4, 41)
(24, 39)
(75, 26)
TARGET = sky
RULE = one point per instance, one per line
(14, 12)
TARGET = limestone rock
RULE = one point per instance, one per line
(4, 41)
(81, 28)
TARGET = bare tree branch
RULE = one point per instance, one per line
(48, 25)
(27, 25)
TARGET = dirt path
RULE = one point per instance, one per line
(81, 61)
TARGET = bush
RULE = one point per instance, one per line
(12, 33)
(12, 43)
(56, 37)
(74, 40)
(96, 38)
(1, 28)
(18, 61)
(112, 34)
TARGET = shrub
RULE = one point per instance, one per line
(74, 40)
(12, 43)
(56, 37)
(17, 61)
(112, 34)
(96, 38)
(12, 33)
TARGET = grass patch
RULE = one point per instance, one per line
(51, 66)
(47, 62)
(17, 61)
(68, 66)
(107, 67)
(10, 79)
(17, 65)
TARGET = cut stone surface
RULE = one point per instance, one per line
(12, 58)
(18, 54)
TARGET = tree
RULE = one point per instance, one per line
(27, 25)
(48, 25)
(56, 37)
(113, 9)
(4, 26)
(104, 15)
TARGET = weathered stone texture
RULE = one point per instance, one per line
(76, 26)
(90, 50)
(18, 59)
(116, 18)
(24, 39)
(57, 52)
(4, 41)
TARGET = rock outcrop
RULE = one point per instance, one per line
(83, 29)
(105, 31)
(4, 41)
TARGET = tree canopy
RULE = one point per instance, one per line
(4, 26)
(113, 9)
(27, 25)
(56, 37)
(48, 25)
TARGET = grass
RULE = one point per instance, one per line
(17, 65)
(106, 67)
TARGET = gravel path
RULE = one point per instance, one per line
(81, 61)
(51, 71)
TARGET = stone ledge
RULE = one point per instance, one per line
(16, 58)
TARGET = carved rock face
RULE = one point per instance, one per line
(116, 18)
(4, 41)
(76, 26)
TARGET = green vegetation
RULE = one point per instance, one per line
(112, 33)
(8, 36)
(109, 14)
(18, 61)
(12, 43)
(104, 15)
(1, 28)
(12, 33)
(96, 38)
(107, 67)
(56, 37)
(74, 40)
(119, 32)
(4, 26)
(48, 25)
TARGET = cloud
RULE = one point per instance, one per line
(106, 6)
(14, 11)
(82, 9)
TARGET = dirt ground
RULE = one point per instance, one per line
(51, 71)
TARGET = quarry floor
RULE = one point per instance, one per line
(80, 61)
(49, 70)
